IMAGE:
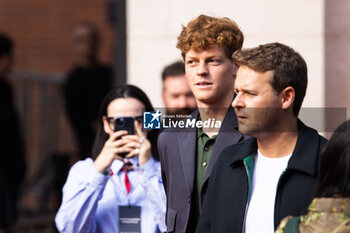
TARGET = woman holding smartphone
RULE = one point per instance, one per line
(121, 189)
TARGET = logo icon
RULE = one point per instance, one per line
(151, 120)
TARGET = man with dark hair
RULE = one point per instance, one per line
(258, 182)
(86, 85)
(177, 95)
(12, 162)
(188, 155)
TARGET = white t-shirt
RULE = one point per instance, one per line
(260, 214)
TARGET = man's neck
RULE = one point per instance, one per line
(215, 112)
(279, 144)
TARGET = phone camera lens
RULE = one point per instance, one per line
(119, 122)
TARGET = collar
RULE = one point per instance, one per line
(229, 123)
(201, 133)
(117, 164)
(150, 165)
(243, 150)
(305, 155)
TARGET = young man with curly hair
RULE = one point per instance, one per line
(188, 155)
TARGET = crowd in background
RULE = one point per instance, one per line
(27, 200)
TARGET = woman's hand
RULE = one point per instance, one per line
(112, 147)
(139, 144)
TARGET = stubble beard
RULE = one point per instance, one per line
(259, 121)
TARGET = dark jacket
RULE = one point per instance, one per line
(226, 202)
(12, 158)
(177, 150)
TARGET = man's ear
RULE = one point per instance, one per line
(287, 97)
(106, 127)
(235, 69)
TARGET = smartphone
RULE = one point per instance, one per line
(124, 123)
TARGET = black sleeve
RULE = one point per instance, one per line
(12, 160)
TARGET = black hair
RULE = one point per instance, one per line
(174, 69)
(6, 45)
(335, 165)
(125, 91)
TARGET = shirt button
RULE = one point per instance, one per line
(206, 149)
(204, 164)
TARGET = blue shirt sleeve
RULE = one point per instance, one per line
(152, 182)
(83, 189)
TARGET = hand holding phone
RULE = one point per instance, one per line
(110, 151)
(124, 123)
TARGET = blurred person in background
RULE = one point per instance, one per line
(12, 161)
(330, 209)
(86, 85)
(123, 182)
(177, 95)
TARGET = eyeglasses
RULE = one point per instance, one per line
(112, 121)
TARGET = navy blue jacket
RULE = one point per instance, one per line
(226, 201)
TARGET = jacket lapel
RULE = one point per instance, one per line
(187, 147)
(228, 135)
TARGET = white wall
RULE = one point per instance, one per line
(153, 26)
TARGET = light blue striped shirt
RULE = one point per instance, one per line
(91, 199)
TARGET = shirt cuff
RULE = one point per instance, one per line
(99, 180)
